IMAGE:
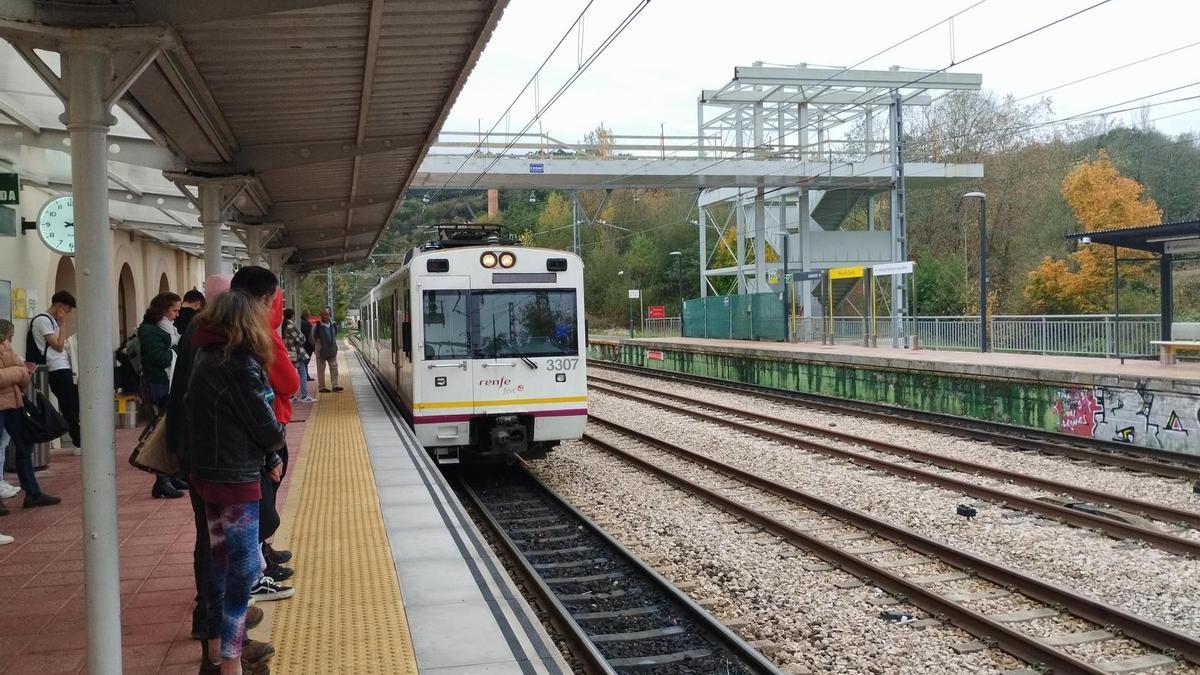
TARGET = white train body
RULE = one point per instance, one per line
(488, 361)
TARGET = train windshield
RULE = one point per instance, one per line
(525, 323)
(446, 324)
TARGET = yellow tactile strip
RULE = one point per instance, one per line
(347, 615)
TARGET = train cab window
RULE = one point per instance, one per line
(525, 323)
(444, 319)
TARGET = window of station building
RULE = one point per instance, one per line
(525, 323)
(444, 318)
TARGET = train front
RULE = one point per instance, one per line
(499, 332)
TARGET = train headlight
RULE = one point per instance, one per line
(507, 260)
(488, 260)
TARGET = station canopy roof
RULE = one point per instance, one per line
(1182, 236)
(326, 109)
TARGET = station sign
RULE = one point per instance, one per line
(10, 188)
(654, 355)
(635, 294)
(892, 269)
(1182, 246)
(846, 272)
(811, 275)
(537, 167)
(656, 312)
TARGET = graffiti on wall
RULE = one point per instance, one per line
(1134, 416)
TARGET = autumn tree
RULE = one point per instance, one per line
(1100, 198)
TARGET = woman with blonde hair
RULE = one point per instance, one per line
(233, 435)
(14, 377)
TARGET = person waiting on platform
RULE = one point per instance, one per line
(306, 329)
(325, 340)
(14, 377)
(293, 337)
(193, 302)
(232, 434)
(47, 344)
(158, 344)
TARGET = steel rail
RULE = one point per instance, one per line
(1014, 642)
(1118, 529)
(572, 633)
(1138, 506)
(582, 644)
(1159, 462)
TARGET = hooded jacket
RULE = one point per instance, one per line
(231, 426)
(284, 378)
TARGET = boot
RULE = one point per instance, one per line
(164, 490)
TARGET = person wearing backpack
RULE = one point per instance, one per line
(46, 345)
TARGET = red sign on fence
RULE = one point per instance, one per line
(656, 312)
(654, 355)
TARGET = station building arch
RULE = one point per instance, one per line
(164, 284)
(64, 280)
(127, 302)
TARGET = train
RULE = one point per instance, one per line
(481, 340)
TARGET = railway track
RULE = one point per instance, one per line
(617, 614)
(1111, 453)
(769, 427)
(808, 521)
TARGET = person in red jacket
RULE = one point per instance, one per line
(285, 381)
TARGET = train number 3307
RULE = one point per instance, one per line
(561, 364)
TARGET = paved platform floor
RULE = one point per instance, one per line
(1136, 368)
(41, 573)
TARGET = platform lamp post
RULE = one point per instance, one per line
(678, 255)
(628, 300)
(983, 268)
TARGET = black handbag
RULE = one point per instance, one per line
(42, 423)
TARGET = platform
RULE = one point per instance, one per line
(391, 575)
(1139, 402)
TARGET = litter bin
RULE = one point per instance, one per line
(39, 381)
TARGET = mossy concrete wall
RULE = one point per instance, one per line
(1152, 414)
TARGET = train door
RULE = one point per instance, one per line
(443, 396)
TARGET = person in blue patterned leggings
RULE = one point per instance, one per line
(233, 436)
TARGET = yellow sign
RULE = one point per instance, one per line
(846, 272)
(18, 304)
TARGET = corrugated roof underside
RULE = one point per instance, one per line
(297, 77)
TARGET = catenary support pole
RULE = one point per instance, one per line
(702, 227)
(211, 219)
(983, 276)
(87, 70)
(329, 288)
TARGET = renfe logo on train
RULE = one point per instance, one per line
(499, 383)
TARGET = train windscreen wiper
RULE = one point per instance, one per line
(496, 339)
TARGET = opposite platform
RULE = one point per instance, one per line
(1139, 402)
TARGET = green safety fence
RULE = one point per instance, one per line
(759, 316)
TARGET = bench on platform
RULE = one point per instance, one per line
(1167, 349)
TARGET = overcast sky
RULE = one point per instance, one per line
(653, 72)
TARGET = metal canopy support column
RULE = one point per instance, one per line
(804, 222)
(1166, 294)
(702, 226)
(760, 241)
(211, 218)
(254, 237)
(740, 224)
(87, 72)
(899, 230)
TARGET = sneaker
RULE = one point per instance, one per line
(267, 590)
(324, 390)
(276, 557)
(5, 539)
(8, 490)
(78, 452)
(279, 572)
(40, 499)
(256, 654)
(307, 399)
(337, 388)
(254, 616)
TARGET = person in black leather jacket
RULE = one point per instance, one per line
(232, 434)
